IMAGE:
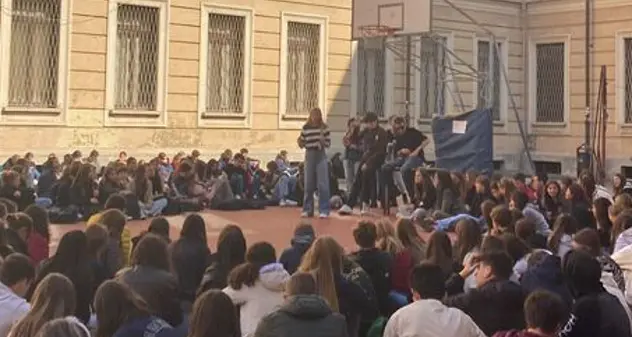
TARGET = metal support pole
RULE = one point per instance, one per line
(587, 145)
(408, 73)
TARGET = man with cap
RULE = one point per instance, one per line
(374, 141)
(304, 236)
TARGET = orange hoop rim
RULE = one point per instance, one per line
(377, 31)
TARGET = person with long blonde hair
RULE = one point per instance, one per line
(53, 298)
(315, 139)
(408, 236)
(402, 263)
(325, 261)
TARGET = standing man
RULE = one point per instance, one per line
(408, 152)
(374, 141)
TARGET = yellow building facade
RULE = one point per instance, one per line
(167, 75)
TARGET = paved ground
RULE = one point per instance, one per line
(273, 224)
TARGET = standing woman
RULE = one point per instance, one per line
(353, 153)
(315, 140)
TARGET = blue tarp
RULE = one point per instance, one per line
(465, 142)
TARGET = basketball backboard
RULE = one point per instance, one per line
(403, 17)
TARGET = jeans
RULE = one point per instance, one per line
(351, 167)
(407, 165)
(154, 209)
(238, 184)
(285, 187)
(316, 177)
(44, 202)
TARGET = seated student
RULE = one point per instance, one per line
(525, 230)
(544, 272)
(545, 314)
(595, 312)
(120, 313)
(117, 202)
(428, 285)
(280, 184)
(519, 200)
(224, 158)
(143, 189)
(97, 237)
(376, 263)
(159, 226)
(502, 220)
(110, 184)
(16, 274)
(236, 172)
(11, 190)
(45, 184)
(39, 239)
(304, 236)
(19, 229)
(303, 313)
(496, 304)
(84, 192)
(61, 189)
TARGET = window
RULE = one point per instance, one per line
(33, 70)
(433, 77)
(34, 51)
(303, 65)
(550, 82)
(370, 72)
(489, 79)
(136, 76)
(627, 78)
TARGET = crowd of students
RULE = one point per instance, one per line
(537, 258)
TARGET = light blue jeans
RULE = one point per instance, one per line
(285, 187)
(154, 209)
(316, 177)
(351, 167)
(44, 202)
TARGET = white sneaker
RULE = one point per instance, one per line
(365, 210)
(282, 203)
(323, 216)
(345, 210)
(306, 215)
(290, 203)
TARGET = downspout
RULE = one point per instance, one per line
(524, 26)
(587, 76)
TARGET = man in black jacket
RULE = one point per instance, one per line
(497, 303)
(304, 313)
(374, 141)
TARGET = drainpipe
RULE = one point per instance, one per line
(524, 26)
(587, 79)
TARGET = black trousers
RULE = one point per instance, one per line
(364, 185)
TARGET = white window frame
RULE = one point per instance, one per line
(35, 116)
(226, 120)
(449, 87)
(131, 118)
(389, 87)
(504, 92)
(619, 77)
(551, 127)
(297, 121)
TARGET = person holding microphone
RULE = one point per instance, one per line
(315, 139)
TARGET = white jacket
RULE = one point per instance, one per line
(265, 297)
(12, 309)
(431, 318)
(608, 282)
(623, 258)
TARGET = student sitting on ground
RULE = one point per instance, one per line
(16, 274)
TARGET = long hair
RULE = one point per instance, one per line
(408, 236)
(246, 274)
(115, 305)
(311, 122)
(618, 189)
(54, 298)
(194, 228)
(600, 207)
(84, 176)
(468, 238)
(40, 220)
(386, 239)
(141, 181)
(71, 257)
(231, 247)
(64, 327)
(564, 224)
(439, 251)
(97, 237)
(621, 223)
(324, 261)
(214, 315)
(152, 251)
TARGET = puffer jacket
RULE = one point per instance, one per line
(623, 258)
(303, 315)
(158, 288)
(263, 298)
(624, 240)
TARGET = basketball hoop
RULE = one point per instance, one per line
(374, 36)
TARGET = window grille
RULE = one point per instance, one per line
(489, 82)
(303, 68)
(550, 82)
(34, 53)
(433, 65)
(627, 77)
(225, 64)
(371, 67)
(137, 58)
